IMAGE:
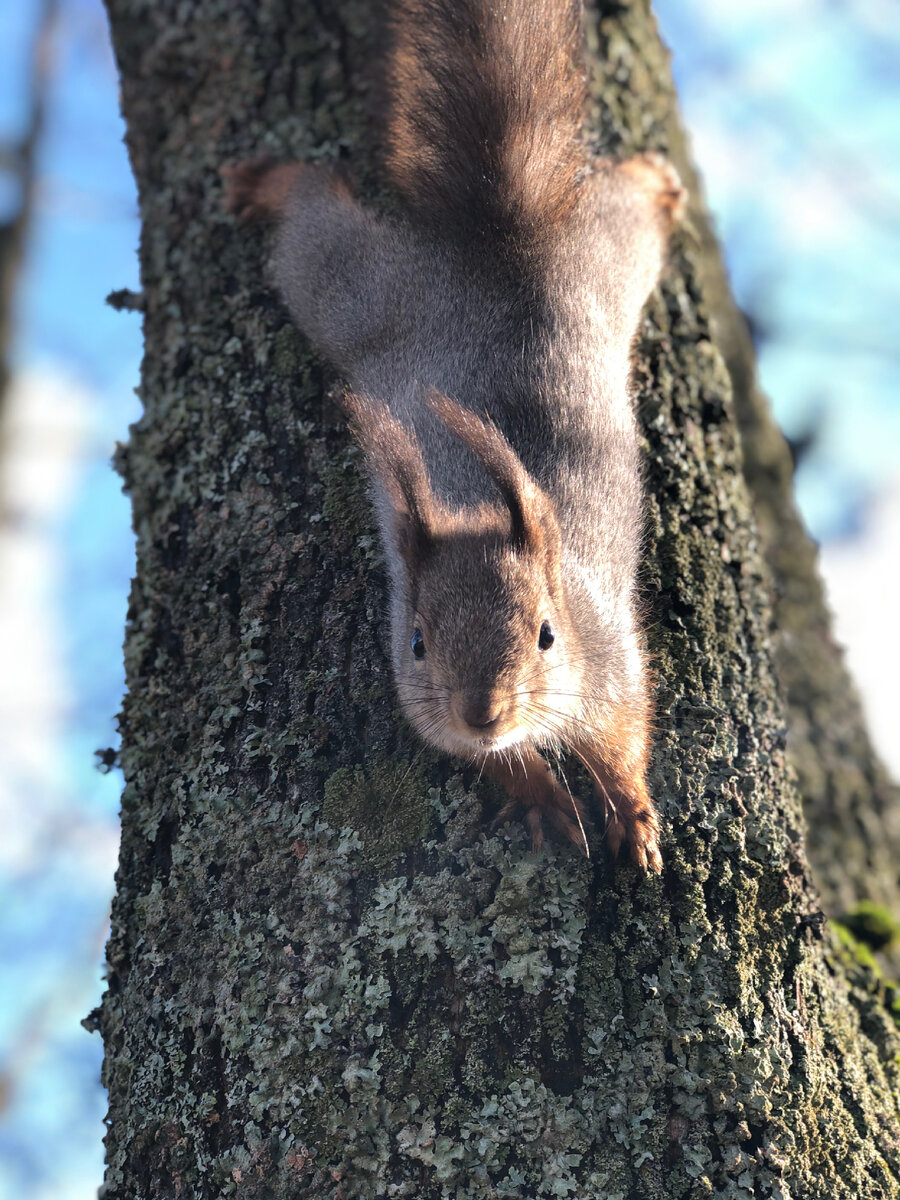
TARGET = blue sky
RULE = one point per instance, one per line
(793, 109)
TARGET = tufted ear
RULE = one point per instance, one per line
(394, 457)
(533, 525)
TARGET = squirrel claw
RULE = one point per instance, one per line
(642, 835)
(647, 856)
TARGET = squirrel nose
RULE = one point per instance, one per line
(481, 714)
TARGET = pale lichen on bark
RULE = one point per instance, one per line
(328, 977)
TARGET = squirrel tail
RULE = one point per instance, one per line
(484, 105)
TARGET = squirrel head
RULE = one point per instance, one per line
(483, 647)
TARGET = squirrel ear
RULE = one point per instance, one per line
(531, 516)
(394, 456)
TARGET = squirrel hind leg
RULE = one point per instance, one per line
(653, 173)
(259, 189)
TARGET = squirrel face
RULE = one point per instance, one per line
(482, 643)
(483, 650)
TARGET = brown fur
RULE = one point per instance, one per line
(259, 190)
(617, 760)
(483, 117)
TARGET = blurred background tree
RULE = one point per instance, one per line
(18, 161)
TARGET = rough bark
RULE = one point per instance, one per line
(327, 976)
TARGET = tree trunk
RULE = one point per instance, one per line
(327, 976)
(852, 808)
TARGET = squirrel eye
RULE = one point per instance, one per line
(417, 644)
(546, 637)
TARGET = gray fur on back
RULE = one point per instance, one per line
(546, 358)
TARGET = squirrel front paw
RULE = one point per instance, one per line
(536, 794)
(621, 793)
(639, 828)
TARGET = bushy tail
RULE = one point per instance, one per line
(485, 99)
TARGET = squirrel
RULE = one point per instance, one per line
(484, 334)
